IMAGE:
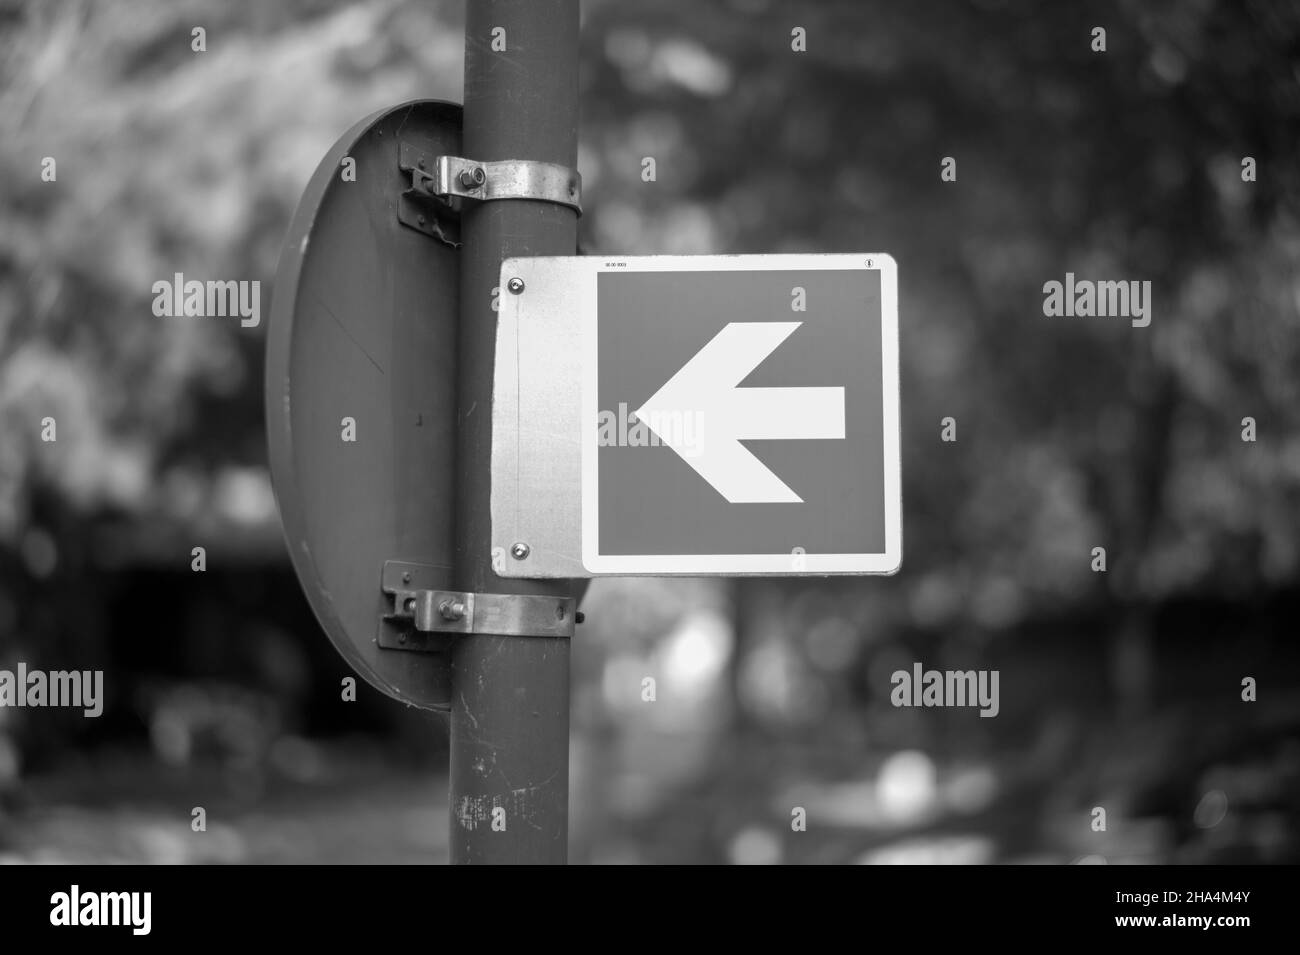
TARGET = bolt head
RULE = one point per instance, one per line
(516, 285)
(406, 576)
(519, 550)
(480, 176)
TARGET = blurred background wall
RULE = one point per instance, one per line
(1120, 690)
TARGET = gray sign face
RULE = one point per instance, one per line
(735, 415)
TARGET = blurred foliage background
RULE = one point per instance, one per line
(1119, 690)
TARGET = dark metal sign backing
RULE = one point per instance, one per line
(361, 389)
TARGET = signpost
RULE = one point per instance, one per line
(466, 419)
(510, 713)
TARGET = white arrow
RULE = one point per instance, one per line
(703, 415)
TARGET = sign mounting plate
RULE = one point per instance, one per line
(697, 415)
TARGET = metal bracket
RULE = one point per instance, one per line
(421, 207)
(419, 615)
(453, 177)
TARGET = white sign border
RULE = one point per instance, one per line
(783, 564)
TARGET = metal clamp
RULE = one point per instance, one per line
(419, 613)
(420, 207)
(454, 176)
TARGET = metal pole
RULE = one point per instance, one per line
(510, 695)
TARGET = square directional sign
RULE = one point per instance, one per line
(697, 415)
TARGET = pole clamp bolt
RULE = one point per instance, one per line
(472, 178)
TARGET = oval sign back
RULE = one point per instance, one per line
(361, 390)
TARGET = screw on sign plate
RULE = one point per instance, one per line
(519, 550)
(516, 285)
